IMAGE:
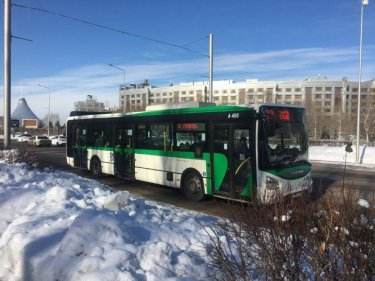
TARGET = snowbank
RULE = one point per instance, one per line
(58, 226)
(338, 154)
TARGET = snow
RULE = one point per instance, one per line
(338, 154)
(58, 226)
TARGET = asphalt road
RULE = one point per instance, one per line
(328, 176)
(325, 176)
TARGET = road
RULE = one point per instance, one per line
(328, 176)
(325, 176)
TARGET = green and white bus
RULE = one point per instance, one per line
(236, 152)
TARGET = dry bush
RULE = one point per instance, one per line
(342, 240)
(20, 156)
(262, 242)
(332, 239)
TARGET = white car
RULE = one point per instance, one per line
(58, 140)
(40, 141)
(24, 137)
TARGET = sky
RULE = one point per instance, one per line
(56, 225)
(74, 41)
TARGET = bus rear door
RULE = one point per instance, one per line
(124, 152)
(80, 147)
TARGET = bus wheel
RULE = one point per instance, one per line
(96, 167)
(193, 186)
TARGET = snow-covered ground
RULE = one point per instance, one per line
(58, 226)
(337, 155)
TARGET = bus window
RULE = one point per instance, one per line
(221, 137)
(184, 140)
(142, 136)
(98, 135)
(160, 136)
(154, 136)
(190, 134)
(81, 136)
(241, 143)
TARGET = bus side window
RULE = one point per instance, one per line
(99, 139)
(241, 143)
(160, 136)
(143, 135)
(190, 135)
(96, 138)
(184, 140)
(82, 137)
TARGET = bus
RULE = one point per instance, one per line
(236, 152)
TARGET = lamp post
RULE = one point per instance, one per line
(119, 68)
(363, 3)
(49, 105)
(123, 70)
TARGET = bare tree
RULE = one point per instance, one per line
(368, 115)
(54, 117)
(311, 117)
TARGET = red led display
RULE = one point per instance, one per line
(188, 126)
(284, 115)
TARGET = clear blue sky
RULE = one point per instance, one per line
(268, 40)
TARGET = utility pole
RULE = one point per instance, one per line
(363, 2)
(211, 68)
(49, 106)
(7, 72)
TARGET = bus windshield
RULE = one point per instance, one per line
(283, 139)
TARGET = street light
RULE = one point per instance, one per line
(119, 68)
(49, 104)
(363, 3)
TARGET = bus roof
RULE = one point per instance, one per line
(183, 108)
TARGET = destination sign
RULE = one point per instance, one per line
(191, 126)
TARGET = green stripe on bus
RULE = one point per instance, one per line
(281, 172)
(178, 111)
(248, 189)
(220, 169)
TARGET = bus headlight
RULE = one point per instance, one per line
(271, 183)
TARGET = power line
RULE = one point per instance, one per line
(111, 29)
(195, 41)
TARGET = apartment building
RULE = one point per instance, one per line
(327, 96)
(89, 105)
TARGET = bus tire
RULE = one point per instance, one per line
(193, 186)
(96, 167)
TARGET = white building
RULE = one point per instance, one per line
(327, 96)
(89, 105)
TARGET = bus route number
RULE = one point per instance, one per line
(233, 115)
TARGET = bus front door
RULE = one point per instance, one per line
(124, 153)
(231, 161)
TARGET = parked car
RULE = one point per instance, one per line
(40, 141)
(58, 140)
(24, 137)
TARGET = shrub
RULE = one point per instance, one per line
(19, 156)
(342, 244)
(331, 239)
